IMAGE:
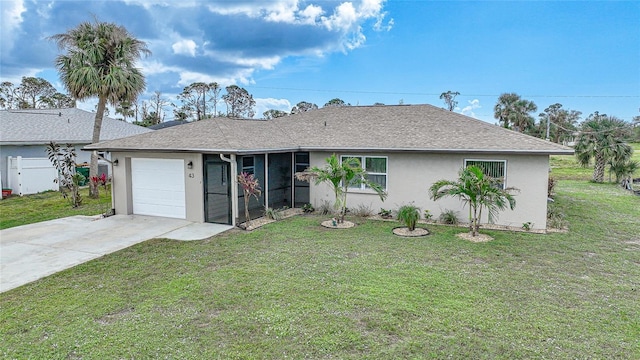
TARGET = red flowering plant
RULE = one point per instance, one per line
(250, 187)
(100, 180)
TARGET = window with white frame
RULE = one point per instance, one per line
(494, 168)
(376, 168)
(248, 164)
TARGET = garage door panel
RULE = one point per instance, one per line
(158, 187)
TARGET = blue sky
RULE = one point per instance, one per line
(582, 54)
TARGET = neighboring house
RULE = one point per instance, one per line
(189, 171)
(26, 132)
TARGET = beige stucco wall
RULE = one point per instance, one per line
(193, 179)
(411, 174)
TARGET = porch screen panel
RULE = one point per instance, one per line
(301, 188)
(280, 174)
(250, 163)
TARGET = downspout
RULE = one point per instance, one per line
(234, 186)
(113, 179)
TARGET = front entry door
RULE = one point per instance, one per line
(217, 190)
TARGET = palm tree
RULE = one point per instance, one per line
(340, 176)
(602, 139)
(100, 62)
(477, 190)
(514, 112)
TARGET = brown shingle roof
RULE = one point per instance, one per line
(389, 128)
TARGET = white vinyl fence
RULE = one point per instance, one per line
(30, 175)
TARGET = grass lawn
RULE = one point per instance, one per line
(28, 209)
(295, 290)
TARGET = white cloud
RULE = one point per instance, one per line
(342, 19)
(11, 22)
(242, 76)
(264, 104)
(185, 47)
(310, 14)
(473, 105)
(380, 26)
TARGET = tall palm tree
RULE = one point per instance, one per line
(100, 62)
(513, 112)
(602, 139)
(477, 190)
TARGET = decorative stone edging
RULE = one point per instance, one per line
(405, 232)
(344, 225)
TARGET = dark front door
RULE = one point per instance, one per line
(217, 190)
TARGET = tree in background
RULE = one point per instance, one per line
(477, 190)
(449, 98)
(57, 101)
(303, 106)
(273, 114)
(99, 61)
(33, 93)
(126, 109)
(157, 103)
(560, 123)
(239, 102)
(200, 99)
(635, 122)
(513, 112)
(602, 138)
(336, 103)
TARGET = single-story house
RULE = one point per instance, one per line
(25, 133)
(189, 171)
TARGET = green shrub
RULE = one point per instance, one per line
(308, 208)
(385, 214)
(449, 217)
(551, 186)
(556, 219)
(272, 214)
(363, 211)
(325, 208)
(409, 215)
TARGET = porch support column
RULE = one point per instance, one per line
(234, 185)
(266, 180)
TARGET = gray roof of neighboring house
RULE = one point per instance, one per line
(167, 124)
(71, 125)
(423, 128)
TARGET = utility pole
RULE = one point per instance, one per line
(548, 125)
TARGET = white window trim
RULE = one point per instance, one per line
(363, 164)
(504, 183)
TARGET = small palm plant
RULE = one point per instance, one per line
(340, 176)
(478, 191)
(409, 215)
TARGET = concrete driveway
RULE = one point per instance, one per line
(31, 252)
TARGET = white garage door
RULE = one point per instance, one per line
(157, 187)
